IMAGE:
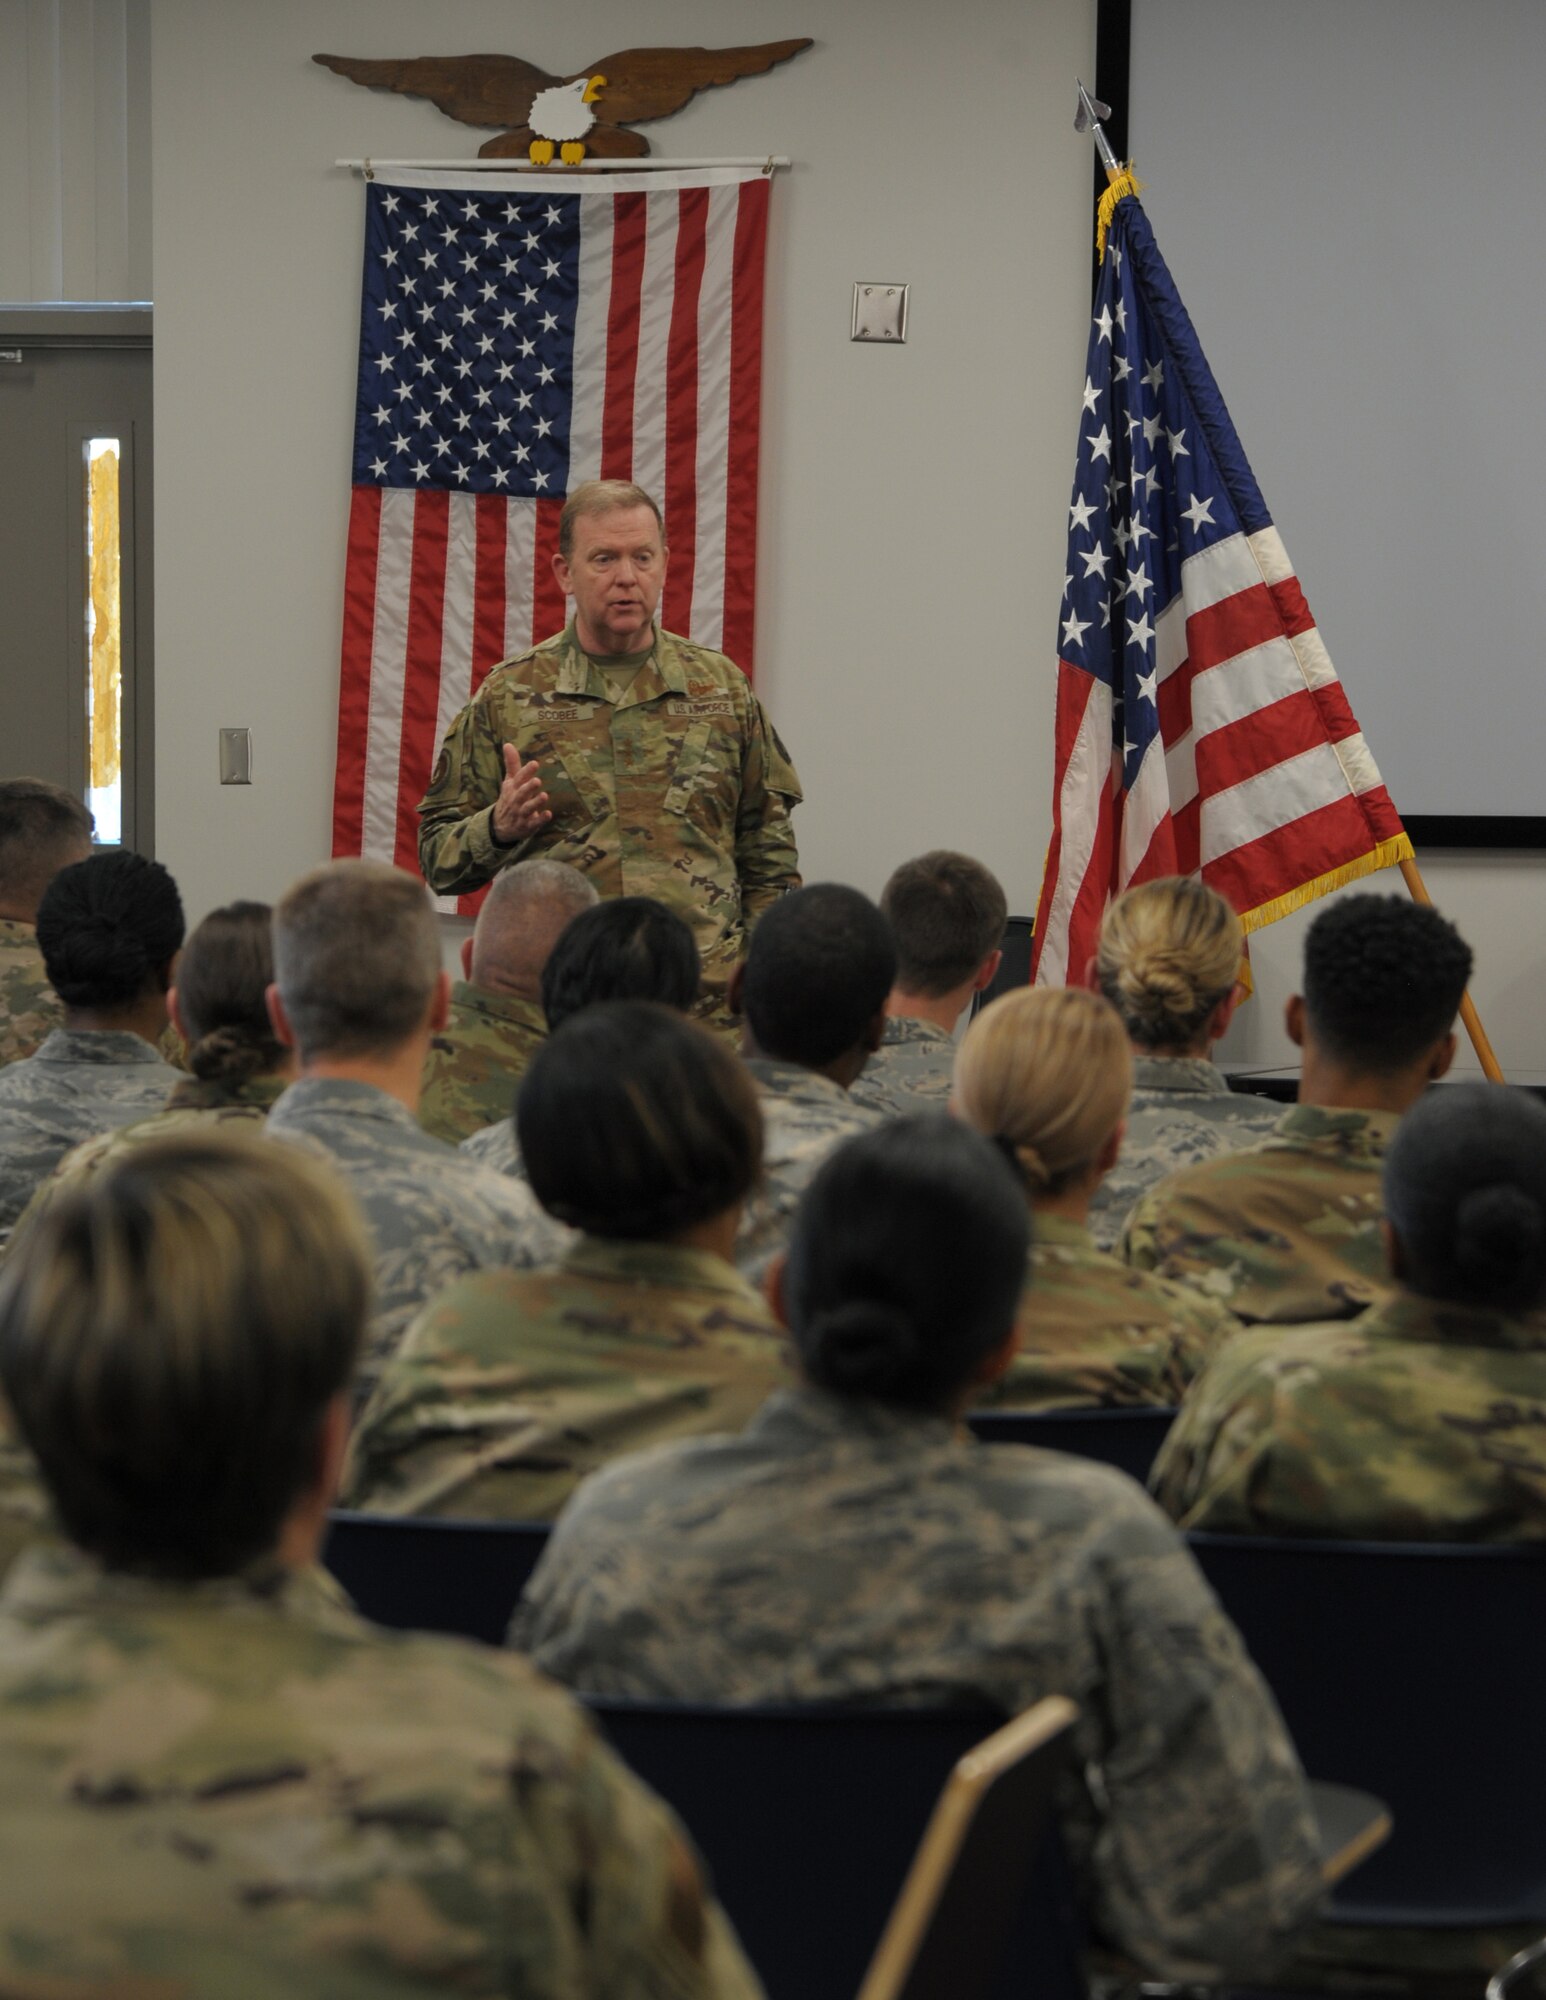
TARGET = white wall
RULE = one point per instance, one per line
(74, 150)
(912, 499)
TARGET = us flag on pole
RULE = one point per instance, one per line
(518, 336)
(1201, 727)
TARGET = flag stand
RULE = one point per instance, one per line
(1088, 119)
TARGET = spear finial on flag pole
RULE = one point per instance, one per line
(1120, 180)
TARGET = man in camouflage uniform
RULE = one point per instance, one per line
(636, 756)
(42, 829)
(221, 1780)
(1288, 1231)
(514, 1385)
(496, 1020)
(865, 1554)
(812, 993)
(358, 993)
(947, 915)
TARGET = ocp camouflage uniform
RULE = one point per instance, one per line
(1419, 1421)
(514, 1385)
(675, 787)
(803, 1117)
(844, 1551)
(1091, 1331)
(432, 1217)
(30, 1009)
(476, 1061)
(193, 1106)
(1182, 1112)
(239, 1787)
(1286, 1231)
(911, 1071)
(79, 1083)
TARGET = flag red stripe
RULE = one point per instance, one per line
(1174, 702)
(1159, 857)
(745, 393)
(1248, 619)
(491, 516)
(354, 669)
(549, 606)
(681, 494)
(1186, 822)
(628, 232)
(1283, 860)
(1254, 743)
(421, 683)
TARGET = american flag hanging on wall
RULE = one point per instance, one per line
(1201, 727)
(518, 336)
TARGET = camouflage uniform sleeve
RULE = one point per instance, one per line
(1197, 1741)
(457, 850)
(1140, 1236)
(654, 1932)
(766, 859)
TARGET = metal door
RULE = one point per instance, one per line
(75, 385)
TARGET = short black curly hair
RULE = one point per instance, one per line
(1383, 980)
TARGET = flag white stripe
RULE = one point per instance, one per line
(713, 472)
(657, 296)
(520, 554)
(388, 662)
(1273, 798)
(1148, 802)
(1085, 785)
(456, 615)
(588, 403)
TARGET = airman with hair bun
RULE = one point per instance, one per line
(1425, 1419)
(1169, 962)
(1045, 1073)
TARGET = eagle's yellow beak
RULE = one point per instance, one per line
(594, 89)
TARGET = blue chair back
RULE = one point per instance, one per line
(1015, 966)
(1408, 1669)
(808, 1819)
(428, 1574)
(1128, 1438)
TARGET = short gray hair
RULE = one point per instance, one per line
(356, 957)
(530, 904)
(602, 496)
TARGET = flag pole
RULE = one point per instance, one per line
(1088, 119)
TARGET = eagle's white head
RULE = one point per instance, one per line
(563, 111)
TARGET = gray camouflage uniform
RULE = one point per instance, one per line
(843, 1551)
(911, 1071)
(79, 1083)
(239, 1788)
(495, 1146)
(432, 1217)
(1182, 1112)
(804, 1116)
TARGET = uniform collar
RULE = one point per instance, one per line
(793, 1081)
(510, 1007)
(1340, 1134)
(19, 928)
(1058, 1232)
(662, 673)
(1407, 1316)
(196, 1094)
(810, 1419)
(1193, 1075)
(610, 1258)
(56, 1580)
(902, 1028)
(345, 1094)
(96, 1045)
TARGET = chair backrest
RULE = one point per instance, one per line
(1409, 1669)
(1015, 966)
(949, 1935)
(423, 1573)
(808, 1819)
(1128, 1438)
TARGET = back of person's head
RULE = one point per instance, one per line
(356, 958)
(172, 1332)
(1465, 1193)
(1046, 1072)
(223, 977)
(907, 1259)
(818, 970)
(109, 928)
(947, 915)
(43, 828)
(636, 1123)
(627, 948)
(1383, 981)
(1169, 953)
(523, 916)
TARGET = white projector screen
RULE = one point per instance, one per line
(1346, 192)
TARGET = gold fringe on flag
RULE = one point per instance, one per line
(1388, 854)
(1124, 183)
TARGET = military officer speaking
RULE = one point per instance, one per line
(636, 756)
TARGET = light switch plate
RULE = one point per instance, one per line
(236, 756)
(880, 311)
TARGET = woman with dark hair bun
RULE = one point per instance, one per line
(856, 1545)
(109, 929)
(217, 1006)
(1425, 1418)
(642, 1131)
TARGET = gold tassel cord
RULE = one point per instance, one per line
(1121, 185)
(102, 502)
(1388, 854)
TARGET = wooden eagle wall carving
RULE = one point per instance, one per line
(590, 110)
